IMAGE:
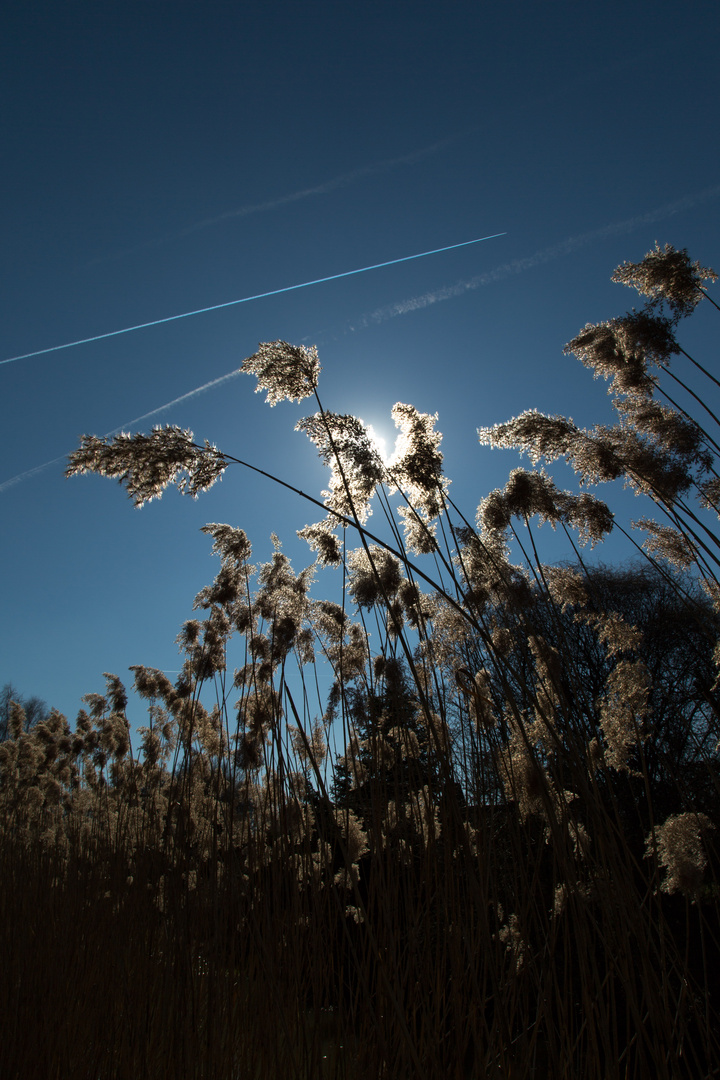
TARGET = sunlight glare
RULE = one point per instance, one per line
(378, 442)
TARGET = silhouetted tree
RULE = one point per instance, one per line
(562, 649)
(36, 710)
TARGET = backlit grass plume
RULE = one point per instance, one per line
(456, 820)
(667, 276)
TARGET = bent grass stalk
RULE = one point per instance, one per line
(510, 870)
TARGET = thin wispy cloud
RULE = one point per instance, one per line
(544, 255)
(335, 183)
(245, 299)
(175, 401)
(417, 303)
(29, 473)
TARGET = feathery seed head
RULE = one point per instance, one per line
(116, 693)
(96, 704)
(151, 683)
(420, 531)
(539, 436)
(147, 464)
(623, 709)
(417, 606)
(668, 429)
(503, 642)
(356, 467)
(229, 543)
(630, 342)
(592, 517)
(329, 619)
(355, 837)
(287, 372)
(667, 274)
(323, 540)
(617, 635)
(479, 696)
(416, 466)
(533, 493)
(566, 586)
(710, 494)
(17, 720)
(681, 851)
(375, 576)
(229, 586)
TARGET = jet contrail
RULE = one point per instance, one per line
(517, 266)
(31, 472)
(323, 188)
(145, 416)
(246, 299)
(544, 255)
(175, 401)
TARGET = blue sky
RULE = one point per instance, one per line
(161, 158)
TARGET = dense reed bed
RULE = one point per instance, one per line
(511, 870)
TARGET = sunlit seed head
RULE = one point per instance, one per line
(286, 372)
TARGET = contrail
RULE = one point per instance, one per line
(31, 472)
(323, 188)
(544, 255)
(175, 401)
(246, 299)
(517, 266)
(335, 182)
(145, 416)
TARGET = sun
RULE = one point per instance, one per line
(378, 442)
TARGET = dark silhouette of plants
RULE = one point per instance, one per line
(459, 821)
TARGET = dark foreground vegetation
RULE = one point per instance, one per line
(511, 870)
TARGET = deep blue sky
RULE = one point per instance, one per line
(160, 157)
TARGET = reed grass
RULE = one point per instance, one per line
(512, 868)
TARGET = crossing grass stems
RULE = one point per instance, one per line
(501, 873)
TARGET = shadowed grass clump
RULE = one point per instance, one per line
(508, 868)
